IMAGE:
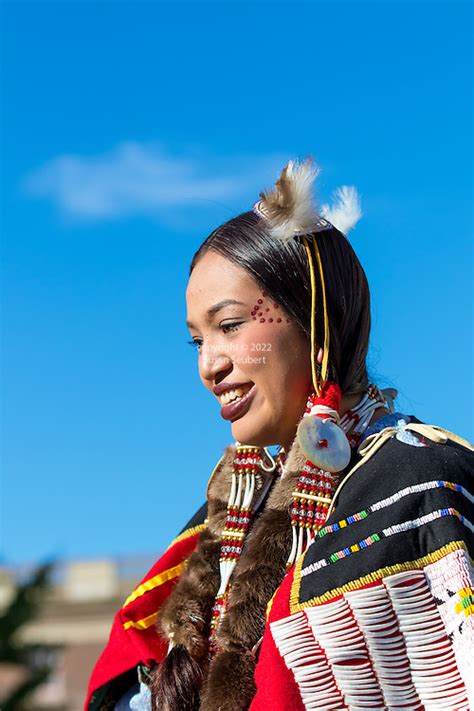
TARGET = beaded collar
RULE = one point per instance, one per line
(390, 420)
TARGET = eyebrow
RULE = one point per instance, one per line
(217, 307)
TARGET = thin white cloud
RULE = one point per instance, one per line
(142, 179)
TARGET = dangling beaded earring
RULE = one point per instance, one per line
(319, 435)
(318, 481)
(290, 213)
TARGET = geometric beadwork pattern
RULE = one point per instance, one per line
(451, 584)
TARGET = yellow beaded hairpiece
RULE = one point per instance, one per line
(290, 212)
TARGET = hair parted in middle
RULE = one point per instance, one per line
(262, 242)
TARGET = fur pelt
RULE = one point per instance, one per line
(185, 617)
(231, 685)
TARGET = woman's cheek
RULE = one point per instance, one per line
(266, 333)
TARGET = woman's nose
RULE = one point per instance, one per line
(215, 364)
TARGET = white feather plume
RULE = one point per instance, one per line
(345, 211)
(290, 209)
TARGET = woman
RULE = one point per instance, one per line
(336, 575)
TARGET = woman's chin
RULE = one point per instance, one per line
(250, 433)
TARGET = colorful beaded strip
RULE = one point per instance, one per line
(386, 533)
(384, 503)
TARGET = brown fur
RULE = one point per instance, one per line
(219, 484)
(257, 576)
(230, 685)
(185, 617)
(280, 498)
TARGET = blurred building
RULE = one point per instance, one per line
(76, 617)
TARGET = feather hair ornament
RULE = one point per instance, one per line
(345, 211)
(290, 210)
(291, 213)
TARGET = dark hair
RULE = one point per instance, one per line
(282, 270)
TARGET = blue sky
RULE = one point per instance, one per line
(130, 131)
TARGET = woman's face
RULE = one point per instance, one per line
(244, 338)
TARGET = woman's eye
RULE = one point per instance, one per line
(226, 327)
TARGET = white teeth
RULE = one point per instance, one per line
(231, 395)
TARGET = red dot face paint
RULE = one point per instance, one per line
(260, 310)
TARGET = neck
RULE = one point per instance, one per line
(348, 402)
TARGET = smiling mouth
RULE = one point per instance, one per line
(239, 404)
(233, 396)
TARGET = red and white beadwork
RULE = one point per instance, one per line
(311, 500)
(328, 448)
(247, 463)
(355, 421)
